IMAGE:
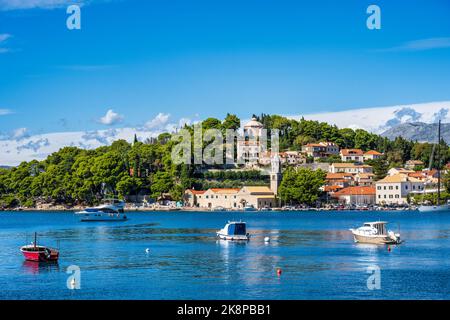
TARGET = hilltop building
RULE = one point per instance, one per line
(411, 164)
(350, 168)
(372, 155)
(321, 149)
(249, 148)
(356, 155)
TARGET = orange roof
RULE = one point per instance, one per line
(225, 190)
(352, 152)
(332, 188)
(196, 191)
(373, 152)
(314, 145)
(417, 174)
(359, 190)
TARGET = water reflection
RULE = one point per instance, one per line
(34, 267)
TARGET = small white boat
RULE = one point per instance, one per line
(218, 208)
(376, 233)
(110, 210)
(249, 207)
(430, 208)
(234, 230)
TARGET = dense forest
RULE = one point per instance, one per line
(77, 176)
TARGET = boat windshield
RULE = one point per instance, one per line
(237, 229)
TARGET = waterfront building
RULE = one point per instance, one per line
(258, 197)
(372, 155)
(350, 168)
(231, 198)
(218, 197)
(356, 155)
(357, 195)
(394, 190)
(191, 197)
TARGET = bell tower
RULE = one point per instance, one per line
(275, 174)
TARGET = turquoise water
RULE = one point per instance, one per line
(315, 251)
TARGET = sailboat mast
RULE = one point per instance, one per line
(439, 163)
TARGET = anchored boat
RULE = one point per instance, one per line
(234, 230)
(34, 252)
(376, 233)
(110, 210)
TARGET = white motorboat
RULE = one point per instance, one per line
(435, 208)
(376, 233)
(249, 207)
(110, 210)
(218, 208)
(234, 230)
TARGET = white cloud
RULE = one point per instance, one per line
(380, 119)
(421, 45)
(158, 122)
(111, 118)
(4, 112)
(14, 151)
(20, 133)
(34, 4)
(4, 36)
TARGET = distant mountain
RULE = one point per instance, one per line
(381, 119)
(4, 167)
(420, 131)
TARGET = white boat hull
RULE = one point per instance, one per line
(233, 237)
(434, 208)
(374, 239)
(88, 217)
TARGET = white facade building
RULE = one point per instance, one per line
(250, 148)
(395, 189)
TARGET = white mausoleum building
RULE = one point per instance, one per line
(249, 148)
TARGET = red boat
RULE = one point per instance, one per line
(33, 252)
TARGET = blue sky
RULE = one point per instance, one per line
(198, 58)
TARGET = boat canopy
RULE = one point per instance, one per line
(237, 229)
(379, 225)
